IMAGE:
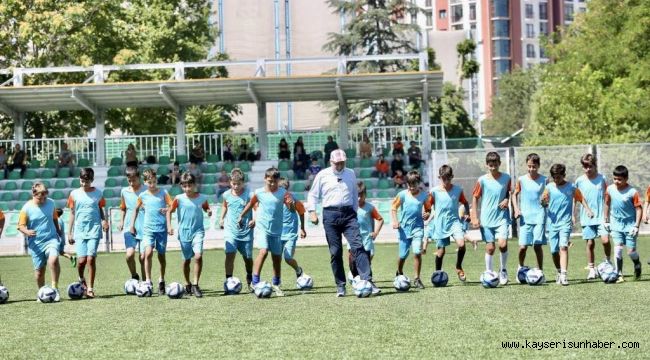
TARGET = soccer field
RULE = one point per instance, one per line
(459, 321)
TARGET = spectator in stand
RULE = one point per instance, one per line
(228, 154)
(244, 150)
(175, 175)
(365, 148)
(197, 154)
(17, 160)
(300, 159)
(3, 158)
(397, 164)
(382, 168)
(131, 156)
(195, 170)
(398, 179)
(299, 148)
(398, 146)
(283, 151)
(223, 183)
(330, 146)
(66, 159)
(415, 155)
(313, 169)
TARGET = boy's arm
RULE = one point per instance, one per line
(647, 205)
(476, 194)
(428, 204)
(120, 227)
(2, 222)
(22, 225)
(247, 208)
(102, 215)
(516, 199)
(379, 223)
(606, 213)
(168, 217)
(397, 203)
(300, 208)
(71, 221)
(206, 208)
(636, 201)
(134, 217)
(224, 210)
(578, 197)
(506, 200)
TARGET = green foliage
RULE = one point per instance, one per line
(448, 110)
(511, 106)
(598, 88)
(468, 66)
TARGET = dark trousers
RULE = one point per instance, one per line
(11, 168)
(339, 221)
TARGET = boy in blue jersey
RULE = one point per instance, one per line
(493, 220)
(268, 225)
(622, 219)
(155, 202)
(446, 222)
(128, 200)
(191, 231)
(72, 258)
(87, 220)
(592, 185)
(530, 212)
(410, 225)
(559, 197)
(370, 224)
(236, 238)
(290, 231)
(38, 221)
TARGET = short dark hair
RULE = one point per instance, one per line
(588, 159)
(272, 172)
(492, 157)
(361, 187)
(87, 174)
(534, 158)
(413, 178)
(187, 178)
(149, 174)
(284, 182)
(446, 172)
(132, 171)
(59, 212)
(558, 169)
(621, 171)
(236, 175)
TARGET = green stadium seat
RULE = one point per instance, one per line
(31, 174)
(83, 163)
(299, 195)
(210, 179)
(113, 203)
(211, 169)
(34, 164)
(60, 184)
(116, 161)
(75, 172)
(57, 195)
(24, 196)
(61, 203)
(26, 185)
(46, 183)
(47, 174)
(298, 186)
(164, 160)
(10, 186)
(383, 184)
(2, 175)
(175, 190)
(351, 153)
(284, 165)
(7, 196)
(63, 173)
(212, 158)
(182, 159)
(14, 175)
(75, 183)
(208, 190)
(245, 166)
(365, 173)
(162, 170)
(227, 167)
(110, 182)
(51, 164)
(109, 193)
(114, 172)
(4, 206)
(370, 184)
(366, 163)
(384, 194)
(125, 182)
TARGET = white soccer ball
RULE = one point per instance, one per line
(535, 277)
(46, 294)
(175, 291)
(304, 282)
(130, 286)
(4, 294)
(607, 272)
(489, 279)
(76, 290)
(232, 286)
(355, 280)
(263, 290)
(402, 283)
(362, 288)
(143, 289)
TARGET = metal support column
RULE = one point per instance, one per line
(100, 137)
(425, 121)
(19, 128)
(263, 138)
(180, 131)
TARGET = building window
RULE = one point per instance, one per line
(457, 27)
(529, 11)
(543, 28)
(500, 8)
(442, 14)
(542, 53)
(568, 12)
(456, 13)
(543, 11)
(429, 18)
(501, 28)
(501, 67)
(427, 3)
(582, 10)
(530, 31)
(530, 51)
(501, 48)
(472, 12)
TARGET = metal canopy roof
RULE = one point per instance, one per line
(178, 93)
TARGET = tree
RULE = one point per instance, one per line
(511, 107)
(468, 66)
(598, 88)
(67, 32)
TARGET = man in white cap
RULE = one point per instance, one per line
(336, 187)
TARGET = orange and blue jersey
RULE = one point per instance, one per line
(530, 195)
(366, 216)
(87, 207)
(269, 216)
(409, 210)
(235, 204)
(154, 220)
(190, 214)
(291, 221)
(40, 219)
(622, 207)
(492, 192)
(593, 190)
(128, 202)
(445, 205)
(560, 204)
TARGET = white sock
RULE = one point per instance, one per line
(488, 262)
(618, 252)
(504, 260)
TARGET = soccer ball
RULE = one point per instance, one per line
(75, 290)
(355, 280)
(263, 290)
(604, 267)
(489, 279)
(535, 277)
(305, 282)
(439, 278)
(402, 283)
(130, 286)
(175, 291)
(143, 289)
(521, 274)
(362, 288)
(607, 272)
(4, 294)
(46, 294)
(232, 286)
